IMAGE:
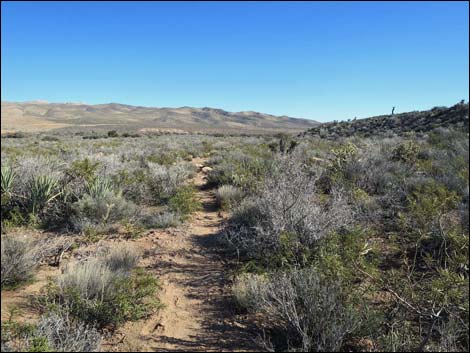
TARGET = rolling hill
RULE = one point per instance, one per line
(73, 117)
(398, 124)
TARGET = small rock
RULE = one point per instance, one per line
(207, 169)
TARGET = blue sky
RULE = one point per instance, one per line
(322, 61)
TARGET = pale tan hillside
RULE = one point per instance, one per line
(71, 117)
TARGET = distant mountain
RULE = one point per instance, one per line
(398, 124)
(43, 116)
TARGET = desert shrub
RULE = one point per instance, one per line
(185, 201)
(341, 169)
(49, 138)
(165, 181)
(375, 174)
(30, 167)
(166, 158)
(132, 229)
(97, 294)
(104, 208)
(432, 276)
(134, 182)
(164, 219)
(113, 133)
(449, 165)
(286, 144)
(247, 288)
(245, 170)
(91, 279)
(406, 152)
(54, 332)
(121, 258)
(18, 261)
(16, 134)
(287, 218)
(84, 169)
(64, 334)
(343, 155)
(310, 311)
(126, 134)
(247, 215)
(227, 196)
(427, 222)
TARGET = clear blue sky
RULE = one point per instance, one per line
(322, 61)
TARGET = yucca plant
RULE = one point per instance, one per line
(99, 187)
(43, 190)
(8, 176)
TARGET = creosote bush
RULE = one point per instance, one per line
(185, 201)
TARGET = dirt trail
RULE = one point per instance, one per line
(17, 302)
(198, 313)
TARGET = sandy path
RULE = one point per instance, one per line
(198, 313)
(17, 302)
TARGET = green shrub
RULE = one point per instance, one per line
(406, 152)
(50, 138)
(245, 171)
(113, 133)
(98, 294)
(185, 201)
(84, 169)
(343, 155)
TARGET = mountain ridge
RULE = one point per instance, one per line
(42, 116)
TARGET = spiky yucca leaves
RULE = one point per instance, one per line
(8, 176)
(43, 189)
(99, 187)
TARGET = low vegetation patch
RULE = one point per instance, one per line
(19, 259)
(185, 201)
(105, 291)
(54, 332)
